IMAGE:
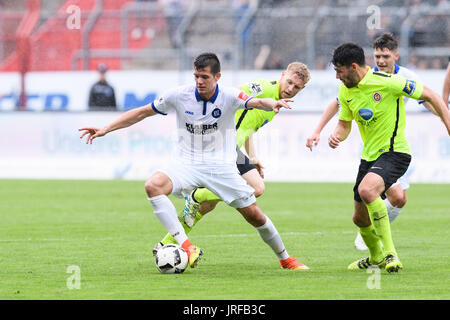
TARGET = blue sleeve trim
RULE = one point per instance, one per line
(247, 102)
(421, 101)
(157, 111)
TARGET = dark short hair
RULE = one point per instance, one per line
(348, 53)
(385, 41)
(207, 59)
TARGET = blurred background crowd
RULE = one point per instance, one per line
(61, 35)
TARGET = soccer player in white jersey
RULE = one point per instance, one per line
(385, 55)
(207, 153)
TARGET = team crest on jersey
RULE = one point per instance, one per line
(376, 97)
(216, 113)
(365, 113)
(410, 87)
(255, 88)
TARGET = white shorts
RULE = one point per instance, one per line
(403, 181)
(224, 181)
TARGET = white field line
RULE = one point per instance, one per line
(233, 235)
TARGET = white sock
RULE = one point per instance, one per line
(393, 212)
(270, 235)
(167, 214)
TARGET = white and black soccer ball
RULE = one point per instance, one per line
(171, 258)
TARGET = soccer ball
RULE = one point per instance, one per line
(171, 258)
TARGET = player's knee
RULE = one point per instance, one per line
(366, 193)
(150, 188)
(398, 199)
(157, 185)
(259, 189)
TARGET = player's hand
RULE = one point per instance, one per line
(258, 166)
(312, 141)
(282, 103)
(333, 141)
(92, 133)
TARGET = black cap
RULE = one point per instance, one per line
(102, 67)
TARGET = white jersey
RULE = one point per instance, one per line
(206, 129)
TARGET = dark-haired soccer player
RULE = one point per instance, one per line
(375, 101)
(248, 122)
(385, 53)
(207, 153)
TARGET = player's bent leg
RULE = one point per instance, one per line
(396, 196)
(203, 194)
(190, 211)
(255, 181)
(203, 210)
(253, 215)
(367, 231)
(269, 234)
(371, 187)
(158, 184)
(359, 242)
(370, 190)
(193, 209)
(395, 200)
(157, 188)
(207, 206)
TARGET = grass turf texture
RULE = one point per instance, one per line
(107, 229)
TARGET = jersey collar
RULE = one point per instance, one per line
(212, 99)
(367, 76)
(396, 68)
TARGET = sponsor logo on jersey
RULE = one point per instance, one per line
(255, 88)
(365, 113)
(376, 97)
(243, 96)
(410, 87)
(189, 112)
(201, 128)
(216, 113)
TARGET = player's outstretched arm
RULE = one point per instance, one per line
(446, 88)
(329, 113)
(251, 152)
(438, 104)
(269, 104)
(341, 133)
(125, 120)
(430, 108)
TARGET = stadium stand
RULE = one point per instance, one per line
(166, 34)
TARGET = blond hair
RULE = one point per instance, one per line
(300, 69)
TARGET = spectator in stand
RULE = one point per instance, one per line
(174, 10)
(102, 95)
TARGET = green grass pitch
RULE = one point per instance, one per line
(107, 229)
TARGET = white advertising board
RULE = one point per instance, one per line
(47, 145)
(69, 91)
